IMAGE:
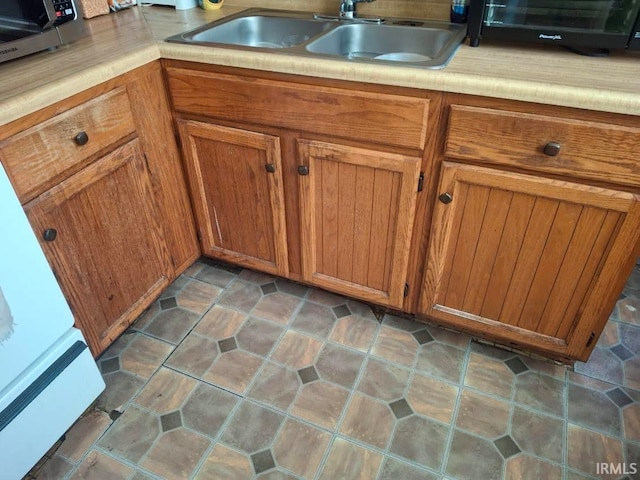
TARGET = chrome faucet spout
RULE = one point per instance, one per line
(348, 8)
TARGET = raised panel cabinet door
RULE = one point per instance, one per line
(100, 232)
(235, 177)
(357, 209)
(526, 259)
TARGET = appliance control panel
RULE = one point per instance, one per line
(65, 11)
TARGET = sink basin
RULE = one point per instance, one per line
(410, 42)
(422, 44)
(259, 31)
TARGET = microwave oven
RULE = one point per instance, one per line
(578, 24)
(30, 26)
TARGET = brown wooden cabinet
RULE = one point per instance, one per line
(235, 177)
(100, 178)
(528, 260)
(357, 208)
(101, 234)
(316, 181)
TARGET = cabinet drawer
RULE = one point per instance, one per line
(45, 154)
(388, 119)
(593, 150)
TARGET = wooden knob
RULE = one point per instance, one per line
(552, 149)
(82, 138)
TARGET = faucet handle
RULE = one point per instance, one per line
(347, 9)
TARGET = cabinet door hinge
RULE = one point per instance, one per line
(421, 181)
(406, 289)
(199, 235)
(591, 338)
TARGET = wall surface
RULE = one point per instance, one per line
(435, 9)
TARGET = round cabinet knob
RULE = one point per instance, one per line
(271, 168)
(552, 149)
(81, 139)
(446, 198)
(50, 234)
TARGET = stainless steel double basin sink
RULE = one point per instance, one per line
(410, 42)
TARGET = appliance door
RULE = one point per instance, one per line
(24, 18)
(47, 376)
(607, 23)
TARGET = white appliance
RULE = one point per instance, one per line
(179, 4)
(47, 374)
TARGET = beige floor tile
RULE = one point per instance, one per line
(300, 448)
(176, 454)
(97, 466)
(234, 370)
(483, 415)
(276, 307)
(383, 380)
(432, 398)
(276, 386)
(220, 323)
(347, 461)
(525, 467)
(631, 420)
(166, 391)
(395, 346)
(144, 355)
(55, 469)
(320, 403)
(296, 350)
(197, 296)
(194, 355)
(83, 434)
(489, 375)
(588, 448)
(355, 332)
(225, 464)
(368, 420)
(132, 434)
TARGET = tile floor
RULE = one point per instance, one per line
(237, 375)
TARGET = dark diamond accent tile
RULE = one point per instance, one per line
(619, 397)
(422, 337)
(308, 374)
(111, 365)
(506, 446)
(516, 365)
(341, 311)
(621, 352)
(401, 408)
(268, 288)
(262, 461)
(168, 303)
(171, 420)
(227, 344)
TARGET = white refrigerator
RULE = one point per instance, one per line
(47, 375)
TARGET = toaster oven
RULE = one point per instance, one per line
(29, 26)
(581, 24)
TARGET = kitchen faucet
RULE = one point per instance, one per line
(348, 8)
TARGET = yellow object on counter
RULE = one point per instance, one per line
(210, 4)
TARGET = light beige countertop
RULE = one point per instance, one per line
(116, 43)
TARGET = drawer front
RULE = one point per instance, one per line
(388, 119)
(592, 150)
(45, 154)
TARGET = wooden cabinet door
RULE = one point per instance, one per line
(357, 208)
(103, 241)
(236, 183)
(526, 259)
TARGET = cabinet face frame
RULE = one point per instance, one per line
(591, 314)
(403, 173)
(268, 147)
